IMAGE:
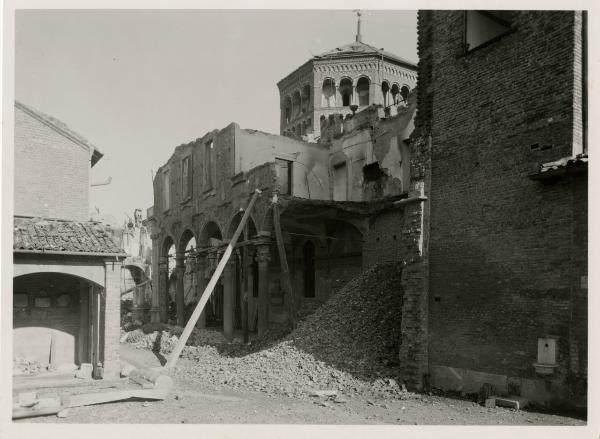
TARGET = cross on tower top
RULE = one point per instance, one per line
(358, 35)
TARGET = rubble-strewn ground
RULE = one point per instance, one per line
(194, 402)
(349, 346)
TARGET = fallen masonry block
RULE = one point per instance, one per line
(490, 403)
(127, 369)
(64, 413)
(85, 371)
(513, 402)
(27, 399)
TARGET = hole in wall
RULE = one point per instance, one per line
(372, 172)
(546, 147)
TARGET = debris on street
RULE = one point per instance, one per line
(348, 346)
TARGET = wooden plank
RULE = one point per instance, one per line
(51, 406)
(210, 287)
(114, 396)
(245, 287)
(285, 271)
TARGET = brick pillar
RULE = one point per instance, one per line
(200, 286)
(179, 292)
(155, 315)
(110, 328)
(414, 349)
(228, 298)
(263, 257)
(161, 292)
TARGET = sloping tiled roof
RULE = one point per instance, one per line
(39, 235)
(62, 128)
(360, 48)
(564, 162)
(572, 165)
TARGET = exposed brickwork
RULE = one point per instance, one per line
(50, 168)
(383, 242)
(506, 253)
(111, 321)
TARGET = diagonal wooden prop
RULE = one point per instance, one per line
(210, 287)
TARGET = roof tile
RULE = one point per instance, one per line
(63, 236)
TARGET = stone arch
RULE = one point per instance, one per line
(287, 109)
(186, 289)
(396, 97)
(328, 93)
(235, 221)
(404, 92)
(166, 266)
(296, 100)
(305, 98)
(187, 237)
(95, 277)
(346, 91)
(210, 230)
(52, 311)
(363, 84)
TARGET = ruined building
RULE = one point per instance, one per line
(136, 272)
(327, 193)
(66, 269)
(476, 186)
(501, 120)
(342, 80)
(200, 194)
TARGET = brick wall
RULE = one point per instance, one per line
(111, 318)
(506, 256)
(53, 172)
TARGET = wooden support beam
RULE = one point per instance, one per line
(211, 286)
(285, 271)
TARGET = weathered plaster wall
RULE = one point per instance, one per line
(310, 174)
(369, 138)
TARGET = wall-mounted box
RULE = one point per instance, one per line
(546, 356)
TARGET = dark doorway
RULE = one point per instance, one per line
(309, 269)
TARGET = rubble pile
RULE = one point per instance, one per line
(358, 329)
(163, 338)
(349, 345)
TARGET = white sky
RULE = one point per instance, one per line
(139, 83)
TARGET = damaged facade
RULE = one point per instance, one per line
(66, 269)
(136, 273)
(475, 184)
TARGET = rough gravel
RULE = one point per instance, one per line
(349, 344)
